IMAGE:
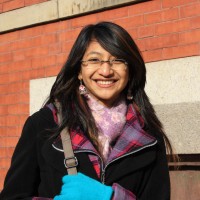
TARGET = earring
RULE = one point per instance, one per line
(129, 95)
(82, 88)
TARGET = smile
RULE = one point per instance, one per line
(105, 82)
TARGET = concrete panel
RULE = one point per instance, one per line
(52, 10)
(182, 125)
(174, 81)
(74, 7)
(29, 15)
(39, 91)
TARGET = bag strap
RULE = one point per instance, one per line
(70, 160)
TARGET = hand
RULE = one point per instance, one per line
(81, 187)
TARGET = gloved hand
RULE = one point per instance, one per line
(82, 187)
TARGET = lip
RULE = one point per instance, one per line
(105, 83)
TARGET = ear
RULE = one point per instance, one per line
(80, 76)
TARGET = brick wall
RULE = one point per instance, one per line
(8, 5)
(163, 29)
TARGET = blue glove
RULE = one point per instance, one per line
(81, 187)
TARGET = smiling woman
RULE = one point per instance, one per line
(117, 139)
(104, 76)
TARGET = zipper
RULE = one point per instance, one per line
(103, 169)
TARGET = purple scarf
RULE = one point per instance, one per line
(109, 121)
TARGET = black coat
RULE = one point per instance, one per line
(37, 168)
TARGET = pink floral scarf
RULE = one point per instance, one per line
(109, 121)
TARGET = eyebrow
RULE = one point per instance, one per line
(94, 52)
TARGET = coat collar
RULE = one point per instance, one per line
(132, 138)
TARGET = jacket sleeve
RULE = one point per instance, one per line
(121, 193)
(23, 178)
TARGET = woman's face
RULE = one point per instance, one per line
(104, 82)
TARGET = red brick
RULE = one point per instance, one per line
(191, 10)
(181, 51)
(61, 58)
(1, 8)
(18, 66)
(37, 51)
(26, 43)
(18, 55)
(12, 120)
(9, 141)
(3, 129)
(33, 74)
(190, 37)
(173, 26)
(84, 20)
(56, 26)
(32, 2)
(131, 22)
(133, 32)
(68, 35)
(153, 55)
(113, 14)
(55, 48)
(3, 174)
(7, 37)
(145, 7)
(164, 15)
(9, 78)
(5, 163)
(48, 39)
(3, 152)
(24, 98)
(4, 89)
(9, 99)
(170, 14)
(161, 42)
(9, 151)
(141, 45)
(44, 61)
(174, 3)
(13, 131)
(3, 110)
(52, 71)
(66, 46)
(18, 109)
(195, 22)
(11, 5)
(5, 57)
(146, 31)
(23, 118)
(5, 48)
(31, 32)
(153, 18)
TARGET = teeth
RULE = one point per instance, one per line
(105, 82)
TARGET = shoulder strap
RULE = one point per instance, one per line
(70, 160)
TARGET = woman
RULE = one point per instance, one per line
(116, 136)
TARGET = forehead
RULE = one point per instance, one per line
(94, 48)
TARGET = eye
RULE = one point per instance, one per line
(119, 61)
(93, 61)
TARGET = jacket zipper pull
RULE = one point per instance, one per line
(103, 177)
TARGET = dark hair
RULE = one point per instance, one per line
(119, 43)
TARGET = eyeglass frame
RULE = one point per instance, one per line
(101, 62)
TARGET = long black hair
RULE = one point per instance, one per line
(75, 111)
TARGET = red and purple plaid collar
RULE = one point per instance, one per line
(132, 138)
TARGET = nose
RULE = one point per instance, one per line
(106, 69)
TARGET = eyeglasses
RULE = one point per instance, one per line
(96, 63)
